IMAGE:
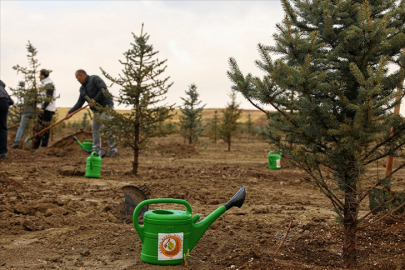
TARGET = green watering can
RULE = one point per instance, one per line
(274, 161)
(168, 234)
(93, 165)
(87, 144)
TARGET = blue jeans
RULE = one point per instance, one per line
(96, 137)
(25, 118)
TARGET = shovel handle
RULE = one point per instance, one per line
(78, 110)
(13, 126)
(46, 129)
(51, 126)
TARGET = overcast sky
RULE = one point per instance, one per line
(196, 37)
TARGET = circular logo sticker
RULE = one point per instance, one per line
(170, 246)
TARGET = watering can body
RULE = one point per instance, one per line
(167, 235)
(93, 165)
(274, 160)
(86, 145)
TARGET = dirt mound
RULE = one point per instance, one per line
(176, 149)
(68, 141)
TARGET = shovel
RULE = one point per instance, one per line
(27, 142)
(13, 126)
(133, 196)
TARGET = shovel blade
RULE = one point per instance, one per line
(27, 142)
(133, 196)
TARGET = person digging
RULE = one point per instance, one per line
(46, 110)
(92, 91)
(27, 115)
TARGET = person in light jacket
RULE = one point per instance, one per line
(5, 102)
(47, 109)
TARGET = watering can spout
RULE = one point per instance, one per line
(237, 199)
(198, 229)
(75, 139)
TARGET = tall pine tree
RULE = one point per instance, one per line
(191, 118)
(334, 57)
(30, 89)
(142, 91)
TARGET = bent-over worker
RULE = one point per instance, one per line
(92, 92)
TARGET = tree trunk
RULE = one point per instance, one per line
(137, 125)
(190, 138)
(136, 162)
(350, 226)
(136, 148)
(229, 145)
(215, 134)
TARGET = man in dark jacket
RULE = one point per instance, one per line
(5, 101)
(92, 91)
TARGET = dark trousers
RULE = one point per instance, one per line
(44, 119)
(3, 125)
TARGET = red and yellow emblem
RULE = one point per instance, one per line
(170, 246)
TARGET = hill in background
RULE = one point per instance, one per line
(257, 116)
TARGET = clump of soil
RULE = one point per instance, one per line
(8, 183)
(68, 141)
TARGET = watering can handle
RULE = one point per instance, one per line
(139, 228)
(88, 140)
(269, 156)
(91, 159)
(275, 152)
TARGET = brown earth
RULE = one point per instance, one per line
(52, 217)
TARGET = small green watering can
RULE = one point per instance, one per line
(168, 234)
(93, 165)
(87, 144)
(274, 160)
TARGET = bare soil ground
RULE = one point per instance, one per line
(52, 217)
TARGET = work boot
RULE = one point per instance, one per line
(101, 153)
(4, 155)
(112, 153)
(15, 145)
